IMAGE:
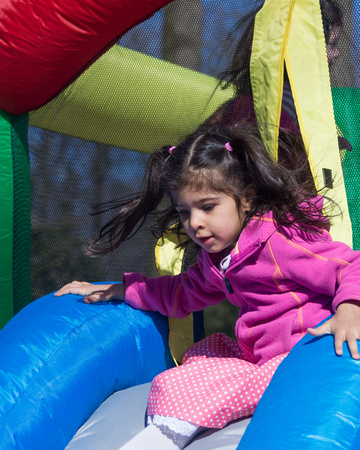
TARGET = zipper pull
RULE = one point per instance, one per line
(228, 285)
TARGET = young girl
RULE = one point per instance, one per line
(264, 245)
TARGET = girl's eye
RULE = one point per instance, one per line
(183, 212)
(208, 208)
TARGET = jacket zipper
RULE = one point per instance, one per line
(225, 279)
(228, 285)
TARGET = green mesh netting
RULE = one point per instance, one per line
(345, 82)
(346, 106)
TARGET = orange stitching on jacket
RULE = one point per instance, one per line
(281, 288)
(309, 252)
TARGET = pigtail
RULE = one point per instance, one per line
(134, 212)
(286, 187)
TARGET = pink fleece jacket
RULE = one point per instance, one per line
(284, 280)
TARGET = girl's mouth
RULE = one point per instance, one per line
(206, 240)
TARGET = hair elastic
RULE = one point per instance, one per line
(171, 149)
(228, 147)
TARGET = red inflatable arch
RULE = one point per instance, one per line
(46, 44)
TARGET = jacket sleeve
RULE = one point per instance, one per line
(322, 265)
(174, 296)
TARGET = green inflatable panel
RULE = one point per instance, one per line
(346, 102)
(15, 291)
(133, 101)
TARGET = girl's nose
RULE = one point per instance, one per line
(196, 222)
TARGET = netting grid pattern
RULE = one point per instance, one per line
(69, 176)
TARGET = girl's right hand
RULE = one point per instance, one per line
(93, 293)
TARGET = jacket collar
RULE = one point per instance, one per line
(258, 231)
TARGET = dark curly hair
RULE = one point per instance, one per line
(202, 160)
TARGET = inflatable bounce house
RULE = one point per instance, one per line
(87, 90)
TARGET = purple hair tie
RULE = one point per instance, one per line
(228, 147)
(171, 149)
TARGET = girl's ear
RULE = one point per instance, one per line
(247, 199)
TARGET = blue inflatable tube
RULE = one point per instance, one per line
(61, 358)
(312, 402)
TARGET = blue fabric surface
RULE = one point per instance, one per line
(61, 358)
(312, 402)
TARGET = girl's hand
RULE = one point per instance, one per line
(345, 326)
(93, 293)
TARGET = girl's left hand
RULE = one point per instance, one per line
(345, 326)
(93, 293)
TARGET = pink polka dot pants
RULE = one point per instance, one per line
(214, 385)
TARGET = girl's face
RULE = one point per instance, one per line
(211, 219)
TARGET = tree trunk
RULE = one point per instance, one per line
(183, 33)
(344, 72)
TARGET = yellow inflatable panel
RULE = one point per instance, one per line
(168, 262)
(283, 29)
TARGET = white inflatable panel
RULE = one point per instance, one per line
(122, 416)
